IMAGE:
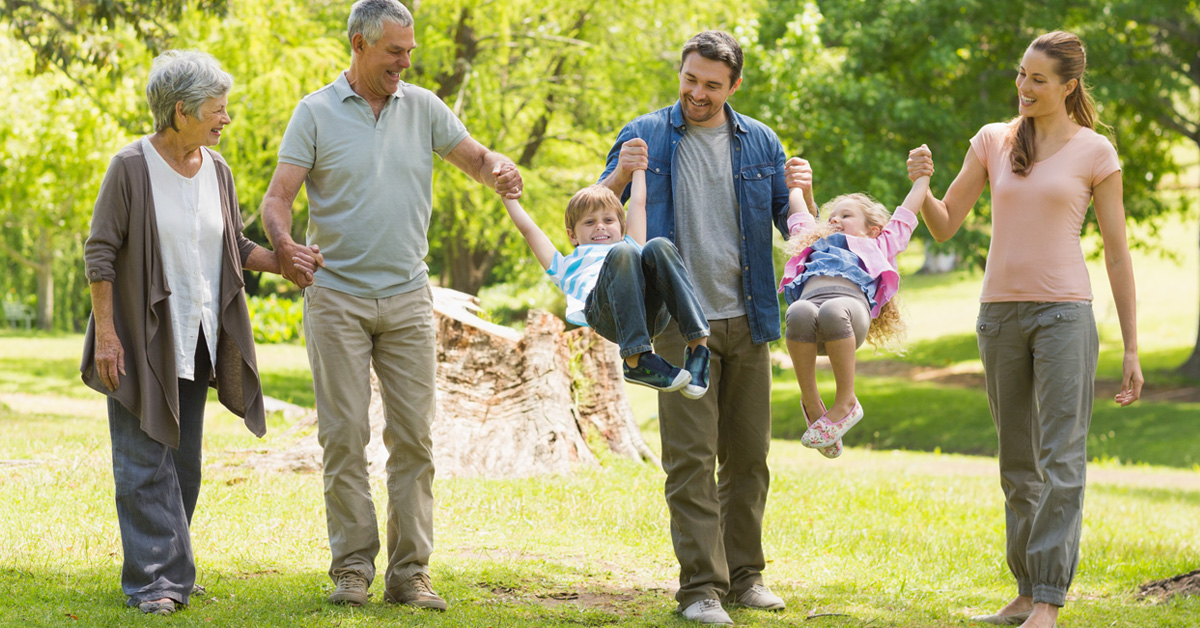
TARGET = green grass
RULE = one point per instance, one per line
(879, 537)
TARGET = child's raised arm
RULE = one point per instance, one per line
(635, 216)
(916, 196)
(541, 246)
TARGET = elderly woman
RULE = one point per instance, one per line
(165, 260)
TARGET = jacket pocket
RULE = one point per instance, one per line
(658, 182)
(757, 183)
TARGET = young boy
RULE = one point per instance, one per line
(624, 287)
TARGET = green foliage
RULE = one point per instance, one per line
(276, 320)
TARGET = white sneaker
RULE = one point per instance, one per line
(760, 597)
(707, 612)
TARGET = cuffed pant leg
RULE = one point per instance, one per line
(1066, 346)
(338, 335)
(406, 364)
(1008, 373)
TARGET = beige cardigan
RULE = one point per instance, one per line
(123, 249)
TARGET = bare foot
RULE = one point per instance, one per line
(1043, 616)
(1020, 604)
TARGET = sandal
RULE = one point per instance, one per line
(831, 451)
(825, 432)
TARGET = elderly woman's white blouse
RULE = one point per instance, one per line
(188, 213)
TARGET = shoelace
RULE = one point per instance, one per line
(351, 580)
(421, 584)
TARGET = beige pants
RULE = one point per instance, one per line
(346, 335)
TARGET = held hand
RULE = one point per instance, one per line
(110, 358)
(635, 155)
(1131, 381)
(920, 163)
(298, 262)
(508, 180)
(307, 261)
(799, 174)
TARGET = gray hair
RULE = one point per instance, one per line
(367, 17)
(185, 76)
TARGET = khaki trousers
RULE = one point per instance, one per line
(715, 455)
(346, 335)
(1039, 361)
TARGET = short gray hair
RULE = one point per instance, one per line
(186, 76)
(367, 17)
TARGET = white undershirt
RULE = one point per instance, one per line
(188, 212)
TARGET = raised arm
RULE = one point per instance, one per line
(917, 195)
(944, 217)
(632, 156)
(635, 217)
(1110, 216)
(487, 167)
(541, 245)
(799, 177)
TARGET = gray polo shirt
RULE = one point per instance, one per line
(370, 183)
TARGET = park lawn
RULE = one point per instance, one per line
(874, 538)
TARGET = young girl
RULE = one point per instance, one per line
(839, 289)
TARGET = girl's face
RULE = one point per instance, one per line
(602, 226)
(1040, 90)
(850, 219)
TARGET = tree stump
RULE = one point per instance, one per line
(508, 404)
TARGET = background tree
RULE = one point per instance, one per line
(1147, 59)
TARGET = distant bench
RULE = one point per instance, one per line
(17, 313)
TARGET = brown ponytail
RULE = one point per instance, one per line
(1067, 51)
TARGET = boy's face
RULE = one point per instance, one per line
(601, 226)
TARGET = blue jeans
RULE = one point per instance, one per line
(156, 492)
(637, 294)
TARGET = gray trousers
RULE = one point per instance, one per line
(346, 335)
(715, 455)
(156, 492)
(1039, 360)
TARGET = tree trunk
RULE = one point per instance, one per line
(508, 404)
(1191, 367)
(44, 271)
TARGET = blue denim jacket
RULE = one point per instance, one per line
(758, 177)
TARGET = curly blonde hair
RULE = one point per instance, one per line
(887, 329)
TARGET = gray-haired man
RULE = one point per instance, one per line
(363, 146)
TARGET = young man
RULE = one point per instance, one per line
(716, 180)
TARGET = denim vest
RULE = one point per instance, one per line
(758, 177)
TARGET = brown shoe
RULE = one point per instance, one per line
(416, 591)
(351, 588)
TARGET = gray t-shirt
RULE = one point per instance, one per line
(707, 231)
(370, 183)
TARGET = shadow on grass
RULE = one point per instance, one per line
(491, 594)
(900, 414)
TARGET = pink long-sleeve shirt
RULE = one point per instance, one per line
(878, 254)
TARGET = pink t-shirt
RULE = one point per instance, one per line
(1035, 253)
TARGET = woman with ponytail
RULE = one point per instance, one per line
(1037, 334)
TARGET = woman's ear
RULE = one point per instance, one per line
(1071, 85)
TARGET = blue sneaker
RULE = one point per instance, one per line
(696, 364)
(656, 373)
